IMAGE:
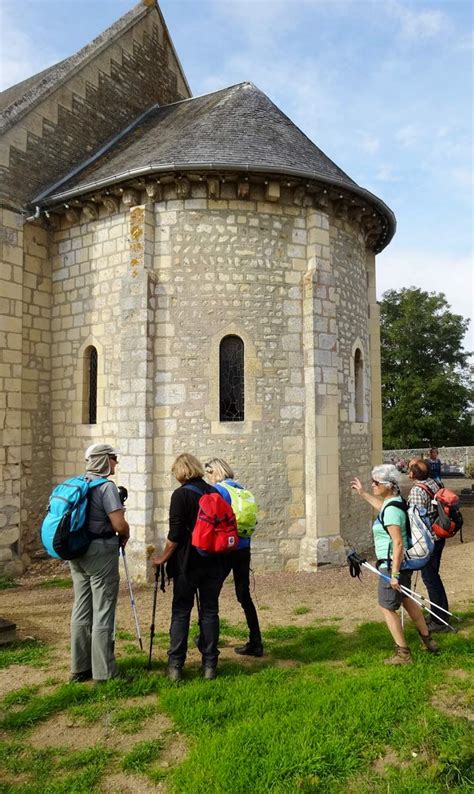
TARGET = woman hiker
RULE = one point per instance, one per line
(192, 573)
(390, 543)
(220, 474)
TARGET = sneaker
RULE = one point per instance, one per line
(249, 649)
(209, 672)
(429, 643)
(174, 673)
(433, 627)
(79, 678)
(401, 656)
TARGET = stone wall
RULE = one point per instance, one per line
(355, 441)
(450, 456)
(154, 287)
(227, 266)
(36, 446)
(11, 290)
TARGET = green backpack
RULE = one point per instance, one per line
(245, 509)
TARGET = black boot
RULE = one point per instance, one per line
(250, 649)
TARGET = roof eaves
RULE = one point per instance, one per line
(151, 168)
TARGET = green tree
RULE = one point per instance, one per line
(426, 390)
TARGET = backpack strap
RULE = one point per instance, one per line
(198, 490)
(394, 503)
(426, 489)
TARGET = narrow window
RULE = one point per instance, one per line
(231, 379)
(90, 383)
(359, 386)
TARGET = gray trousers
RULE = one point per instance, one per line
(95, 577)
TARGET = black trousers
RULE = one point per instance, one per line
(239, 563)
(207, 582)
(433, 583)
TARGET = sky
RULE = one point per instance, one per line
(383, 87)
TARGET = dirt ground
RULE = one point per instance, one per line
(328, 594)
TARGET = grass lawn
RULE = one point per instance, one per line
(319, 713)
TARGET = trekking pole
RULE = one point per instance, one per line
(159, 570)
(132, 600)
(355, 562)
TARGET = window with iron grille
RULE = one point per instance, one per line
(91, 379)
(231, 379)
(359, 385)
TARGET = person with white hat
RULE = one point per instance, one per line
(95, 575)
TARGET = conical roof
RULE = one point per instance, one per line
(237, 128)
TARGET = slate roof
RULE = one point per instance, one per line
(22, 97)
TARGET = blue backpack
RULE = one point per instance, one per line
(420, 538)
(64, 533)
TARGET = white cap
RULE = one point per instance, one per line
(98, 450)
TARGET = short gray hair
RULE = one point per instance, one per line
(387, 474)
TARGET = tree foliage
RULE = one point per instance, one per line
(426, 390)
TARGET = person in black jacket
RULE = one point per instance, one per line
(193, 574)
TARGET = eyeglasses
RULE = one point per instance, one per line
(113, 457)
(380, 482)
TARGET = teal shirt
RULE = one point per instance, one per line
(382, 540)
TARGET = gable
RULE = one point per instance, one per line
(54, 120)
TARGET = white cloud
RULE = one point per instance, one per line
(385, 174)
(369, 143)
(408, 135)
(416, 24)
(21, 56)
(431, 272)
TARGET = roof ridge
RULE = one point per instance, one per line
(15, 109)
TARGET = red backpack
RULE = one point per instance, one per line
(215, 530)
(449, 519)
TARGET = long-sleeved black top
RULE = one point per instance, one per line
(184, 507)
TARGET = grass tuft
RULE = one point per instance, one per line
(28, 652)
(59, 582)
(142, 756)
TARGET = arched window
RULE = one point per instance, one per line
(231, 379)
(359, 385)
(90, 384)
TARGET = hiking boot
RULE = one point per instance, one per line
(429, 643)
(249, 649)
(433, 626)
(209, 672)
(401, 656)
(174, 673)
(79, 678)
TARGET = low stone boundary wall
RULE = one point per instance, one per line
(453, 459)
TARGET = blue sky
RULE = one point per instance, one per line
(384, 87)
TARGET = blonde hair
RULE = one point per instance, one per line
(187, 467)
(220, 468)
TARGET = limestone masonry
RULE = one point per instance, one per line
(140, 228)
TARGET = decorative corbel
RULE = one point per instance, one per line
(272, 191)
(53, 220)
(73, 215)
(321, 201)
(243, 190)
(183, 188)
(213, 188)
(299, 194)
(111, 204)
(130, 197)
(153, 191)
(90, 211)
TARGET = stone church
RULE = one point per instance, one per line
(178, 274)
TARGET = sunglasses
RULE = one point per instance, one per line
(113, 457)
(380, 482)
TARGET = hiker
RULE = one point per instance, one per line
(422, 494)
(193, 574)
(390, 543)
(220, 474)
(434, 465)
(95, 575)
